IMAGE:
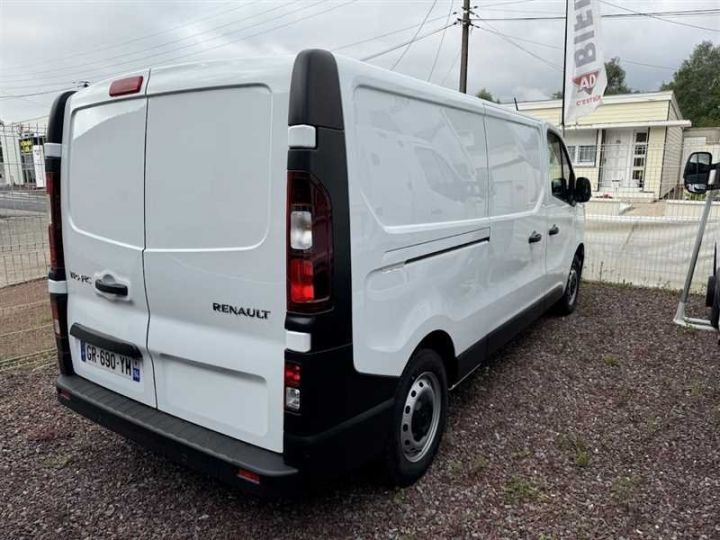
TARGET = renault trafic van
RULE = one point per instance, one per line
(271, 269)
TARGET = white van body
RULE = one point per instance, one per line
(174, 226)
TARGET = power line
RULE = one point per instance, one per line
(517, 45)
(655, 16)
(494, 30)
(403, 44)
(171, 42)
(132, 40)
(21, 96)
(337, 6)
(442, 40)
(452, 67)
(397, 61)
(386, 34)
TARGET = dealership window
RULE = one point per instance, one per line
(582, 147)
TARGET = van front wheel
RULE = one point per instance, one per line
(567, 303)
(418, 420)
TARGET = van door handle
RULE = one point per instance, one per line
(117, 289)
(554, 230)
(535, 237)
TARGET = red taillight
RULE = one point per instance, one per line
(302, 284)
(129, 85)
(55, 227)
(292, 374)
(309, 244)
(249, 476)
(58, 306)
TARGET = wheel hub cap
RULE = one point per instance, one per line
(421, 416)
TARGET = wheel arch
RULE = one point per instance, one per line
(441, 342)
(580, 254)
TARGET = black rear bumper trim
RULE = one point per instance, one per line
(195, 446)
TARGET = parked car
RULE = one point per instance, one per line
(274, 269)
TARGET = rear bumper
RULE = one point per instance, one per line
(192, 445)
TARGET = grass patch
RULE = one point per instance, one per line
(478, 466)
(576, 446)
(519, 490)
(624, 489)
(57, 462)
(521, 454)
(611, 360)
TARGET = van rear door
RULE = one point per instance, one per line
(104, 238)
(215, 257)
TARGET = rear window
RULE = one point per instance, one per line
(208, 168)
(106, 171)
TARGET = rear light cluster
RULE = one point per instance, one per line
(58, 303)
(309, 244)
(57, 259)
(293, 378)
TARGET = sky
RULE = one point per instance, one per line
(46, 47)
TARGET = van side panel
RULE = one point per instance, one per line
(420, 226)
(516, 155)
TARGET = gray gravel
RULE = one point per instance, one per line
(603, 424)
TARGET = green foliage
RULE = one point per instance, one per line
(616, 78)
(697, 86)
(519, 490)
(485, 94)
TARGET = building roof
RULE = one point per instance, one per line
(607, 100)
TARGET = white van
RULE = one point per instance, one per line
(269, 269)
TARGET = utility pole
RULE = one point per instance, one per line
(464, 53)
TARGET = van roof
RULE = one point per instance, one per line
(276, 72)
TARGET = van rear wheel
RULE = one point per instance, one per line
(418, 419)
(568, 302)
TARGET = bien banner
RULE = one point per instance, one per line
(585, 76)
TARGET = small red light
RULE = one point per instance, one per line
(50, 183)
(302, 283)
(129, 85)
(249, 476)
(292, 374)
(64, 394)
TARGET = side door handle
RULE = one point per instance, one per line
(554, 230)
(117, 289)
(535, 237)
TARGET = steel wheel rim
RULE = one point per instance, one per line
(572, 286)
(421, 416)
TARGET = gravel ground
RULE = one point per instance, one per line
(604, 424)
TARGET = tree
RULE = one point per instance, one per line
(697, 85)
(484, 93)
(616, 78)
(557, 95)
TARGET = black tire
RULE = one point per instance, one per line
(408, 454)
(715, 309)
(710, 291)
(567, 304)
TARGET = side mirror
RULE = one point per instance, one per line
(583, 190)
(697, 172)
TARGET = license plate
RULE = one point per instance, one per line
(124, 366)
